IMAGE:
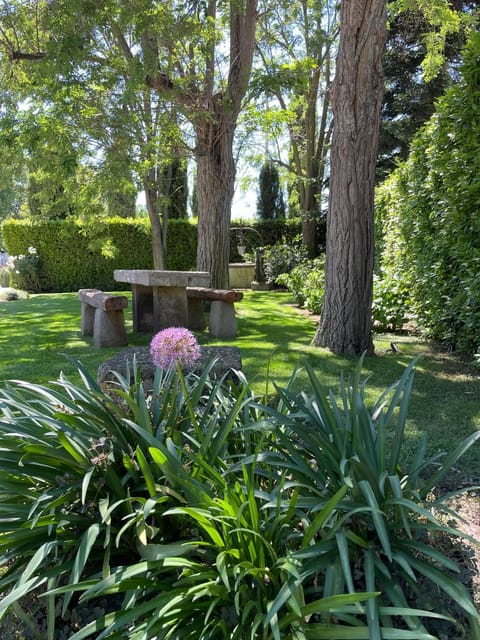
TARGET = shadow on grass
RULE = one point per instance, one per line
(273, 337)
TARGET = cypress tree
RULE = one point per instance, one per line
(270, 202)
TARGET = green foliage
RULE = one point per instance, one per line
(391, 295)
(4, 276)
(391, 303)
(272, 232)
(76, 255)
(25, 271)
(389, 517)
(283, 257)
(150, 500)
(270, 203)
(175, 176)
(428, 213)
(410, 97)
(306, 283)
(196, 511)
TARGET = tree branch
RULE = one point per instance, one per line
(23, 55)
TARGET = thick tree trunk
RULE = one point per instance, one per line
(215, 186)
(214, 130)
(345, 325)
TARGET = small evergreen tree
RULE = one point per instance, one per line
(176, 188)
(270, 202)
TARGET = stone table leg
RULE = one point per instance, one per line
(142, 309)
(170, 307)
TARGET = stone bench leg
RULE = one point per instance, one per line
(196, 314)
(109, 329)
(223, 323)
(87, 319)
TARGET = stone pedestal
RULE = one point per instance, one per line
(222, 322)
(241, 274)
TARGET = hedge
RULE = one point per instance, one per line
(428, 210)
(75, 255)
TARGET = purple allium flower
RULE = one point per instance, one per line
(174, 345)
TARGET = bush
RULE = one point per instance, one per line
(198, 512)
(392, 304)
(75, 255)
(306, 282)
(25, 271)
(389, 517)
(283, 257)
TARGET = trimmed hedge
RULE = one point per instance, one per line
(272, 232)
(428, 212)
(74, 255)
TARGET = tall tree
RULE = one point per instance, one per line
(296, 44)
(356, 96)
(195, 58)
(215, 124)
(176, 188)
(409, 99)
(345, 325)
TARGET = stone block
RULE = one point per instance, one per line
(228, 360)
(222, 322)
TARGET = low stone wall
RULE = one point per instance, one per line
(228, 360)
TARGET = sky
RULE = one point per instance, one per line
(244, 205)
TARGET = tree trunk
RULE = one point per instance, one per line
(345, 325)
(214, 130)
(215, 187)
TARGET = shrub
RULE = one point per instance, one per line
(157, 500)
(283, 257)
(388, 520)
(25, 271)
(306, 282)
(392, 304)
(198, 512)
(428, 214)
(76, 255)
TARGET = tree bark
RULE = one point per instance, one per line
(214, 130)
(345, 325)
(215, 187)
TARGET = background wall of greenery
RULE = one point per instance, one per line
(74, 255)
(428, 213)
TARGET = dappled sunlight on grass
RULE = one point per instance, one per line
(37, 333)
(274, 338)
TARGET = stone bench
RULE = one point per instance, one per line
(102, 317)
(222, 323)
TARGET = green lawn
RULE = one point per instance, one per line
(273, 337)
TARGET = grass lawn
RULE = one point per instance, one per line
(273, 337)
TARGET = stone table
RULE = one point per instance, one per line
(159, 298)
